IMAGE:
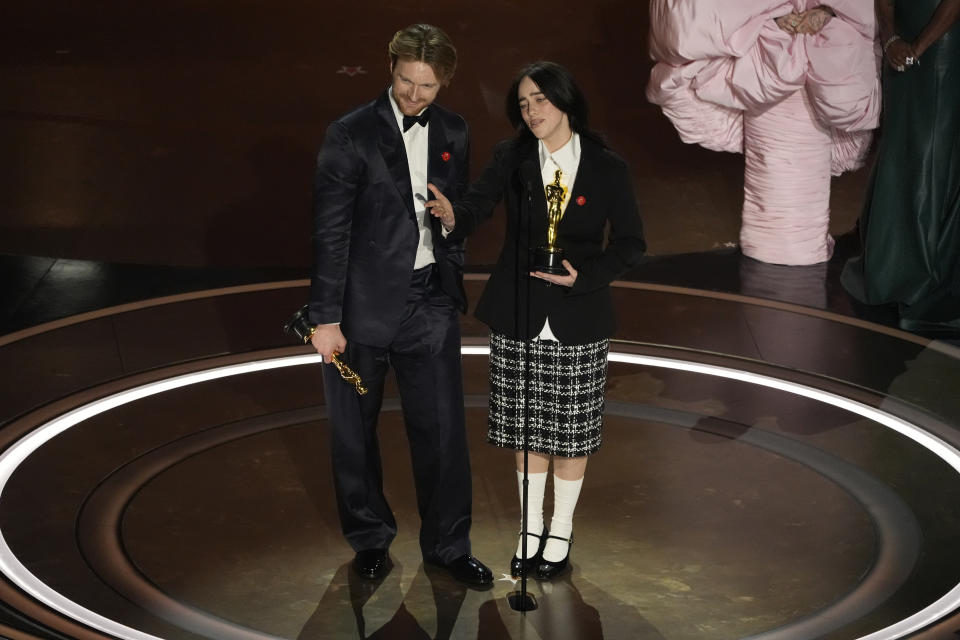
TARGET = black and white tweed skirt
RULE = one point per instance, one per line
(558, 387)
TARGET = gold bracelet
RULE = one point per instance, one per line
(307, 338)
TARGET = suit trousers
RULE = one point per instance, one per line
(425, 357)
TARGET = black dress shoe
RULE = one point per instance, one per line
(469, 570)
(548, 570)
(371, 563)
(519, 567)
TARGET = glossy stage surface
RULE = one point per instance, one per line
(771, 468)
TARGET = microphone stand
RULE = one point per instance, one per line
(521, 600)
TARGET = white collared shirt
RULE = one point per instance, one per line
(415, 141)
(567, 159)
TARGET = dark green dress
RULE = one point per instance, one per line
(910, 226)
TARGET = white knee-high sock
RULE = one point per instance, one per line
(565, 495)
(535, 490)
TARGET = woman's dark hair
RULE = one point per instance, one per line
(561, 90)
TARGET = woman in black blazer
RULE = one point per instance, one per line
(550, 331)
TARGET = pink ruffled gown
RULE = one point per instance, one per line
(800, 107)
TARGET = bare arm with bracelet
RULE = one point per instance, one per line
(901, 54)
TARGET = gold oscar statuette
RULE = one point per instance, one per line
(349, 375)
(548, 258)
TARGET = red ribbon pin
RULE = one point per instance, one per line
(581, 200)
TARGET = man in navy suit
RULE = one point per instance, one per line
(386, 290)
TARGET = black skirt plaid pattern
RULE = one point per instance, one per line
(564, 395)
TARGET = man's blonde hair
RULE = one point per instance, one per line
(428, 44)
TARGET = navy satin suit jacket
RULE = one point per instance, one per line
(365, 234)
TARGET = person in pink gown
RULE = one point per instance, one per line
(793, 85)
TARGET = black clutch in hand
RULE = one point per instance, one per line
(299, 325)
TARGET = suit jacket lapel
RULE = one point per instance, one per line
(393, 151)
(443, 168)
(438, 169)
(587, 174)
(587, 171)
(533, 182)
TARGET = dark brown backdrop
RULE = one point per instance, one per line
(183, 131)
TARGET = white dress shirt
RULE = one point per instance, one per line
(567, 159)
(415, 142)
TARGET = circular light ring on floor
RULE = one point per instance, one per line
(898, 533)
(17, 573)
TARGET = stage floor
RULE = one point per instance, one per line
(770, 469)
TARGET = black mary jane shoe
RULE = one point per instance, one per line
(548, 570)
(519, 567)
